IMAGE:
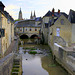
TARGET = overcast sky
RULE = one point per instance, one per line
(41, 7)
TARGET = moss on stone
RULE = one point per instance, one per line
(32, 52)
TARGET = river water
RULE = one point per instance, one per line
(39, 64)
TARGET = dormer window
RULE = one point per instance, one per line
(62, 21)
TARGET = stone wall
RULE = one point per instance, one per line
(6, 64)
(65, 58)
(73, 33)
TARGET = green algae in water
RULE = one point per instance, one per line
(32, 52)
(15, 66)
(15, 70)
(52, 65)
(33, 49)
(14, 74)
(30, 48)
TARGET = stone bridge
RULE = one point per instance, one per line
(28, 35)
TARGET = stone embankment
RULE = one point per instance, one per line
(66, 57)
(11, 63)
(6, 64)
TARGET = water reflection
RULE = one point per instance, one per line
(25, 41)
(52, 70)
(39, 64)
(32, 66)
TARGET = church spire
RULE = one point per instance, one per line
(20, 15)
(34, 14)
(31, 15)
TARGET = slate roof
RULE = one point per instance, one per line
(38, 19)
(49, 13)
(26, 20)
(1, 4)
(39, 23)
(71, 16)
(26, 25)
(6, 14)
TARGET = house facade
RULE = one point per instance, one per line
(29, 27)
(6, 30)
(49, 18)
(71, 18)
(60, 32)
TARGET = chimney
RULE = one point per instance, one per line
(58, 11)
(53, 12)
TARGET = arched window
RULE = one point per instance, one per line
(35, 29)
(26, 29)
(30, 29)
(20, 29)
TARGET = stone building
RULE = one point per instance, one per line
(48, 18)
(6, 29)
(71, 18)
(60, 32)
(29, 28)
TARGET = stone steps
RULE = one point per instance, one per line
(17, 66)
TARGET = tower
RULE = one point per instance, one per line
(34, 16)
(20, 15)
(31, 17)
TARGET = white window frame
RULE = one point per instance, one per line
(57, 31)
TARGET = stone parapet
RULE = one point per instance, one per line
(6, 64)
(65, 57)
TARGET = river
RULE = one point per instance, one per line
(40, 63)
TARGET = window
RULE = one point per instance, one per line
(35, 29)
(2, 32)
(58, 32)
(30, 29)
(20, 29)
(26, 29)
(62, 21)
(46, 25)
